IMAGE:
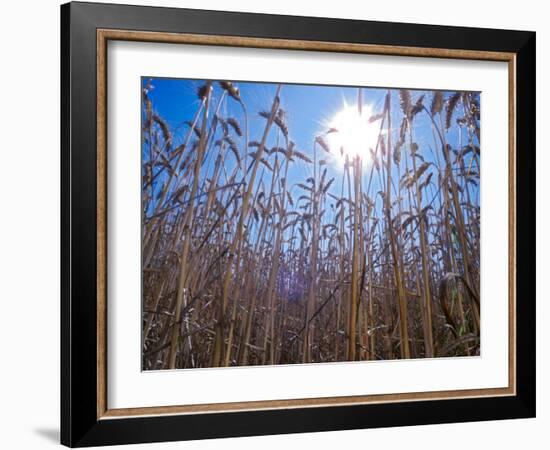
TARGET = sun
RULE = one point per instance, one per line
(352, 134)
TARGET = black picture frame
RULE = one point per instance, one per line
(80, 425)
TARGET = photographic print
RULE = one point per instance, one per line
(291, 224)
(293, 210)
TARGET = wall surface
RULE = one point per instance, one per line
(29, 224)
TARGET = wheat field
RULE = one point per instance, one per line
(286, 224)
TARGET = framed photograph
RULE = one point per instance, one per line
(276, 224)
